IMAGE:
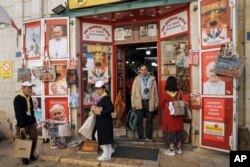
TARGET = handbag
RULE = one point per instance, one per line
(88, 126)
(22, 147)
(179, 106)
(131, 120)
(47, 72)
(227, 63)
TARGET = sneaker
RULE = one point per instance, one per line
(25, 161)
(103, 158)
(149, 140)
(178, 150)
(169, 152)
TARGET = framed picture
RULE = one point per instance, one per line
(38, 113)
(57, 109)
(56, 38)
(32, 40)
(144, 30)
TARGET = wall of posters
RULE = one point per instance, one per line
(174, 24)
(213, 84)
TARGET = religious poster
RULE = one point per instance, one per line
(214, 22)
(193, 57)
(97, 62)
(35, 77)
(143, 30)
(37, 107)
(212, 84)
(32, 40)
(57, 109)
(174, 24)
(56, 38)
(59, 86)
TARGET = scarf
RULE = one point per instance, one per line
(172, 93)
(27, 99)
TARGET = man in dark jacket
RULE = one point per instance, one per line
(26, 121)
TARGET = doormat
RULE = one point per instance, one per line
(136, 153)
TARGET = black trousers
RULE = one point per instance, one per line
(149, 120)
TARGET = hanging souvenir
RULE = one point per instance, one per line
(47, 72)
(72, 77)
(24, 72)
(227, 63)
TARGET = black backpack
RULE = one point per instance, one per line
(131, 120)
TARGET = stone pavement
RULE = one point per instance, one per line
(190, 157)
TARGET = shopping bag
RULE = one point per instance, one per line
(22, 147)
(88, 126)
(64, 130)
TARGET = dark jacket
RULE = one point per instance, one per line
(104, 124)
(20, 107)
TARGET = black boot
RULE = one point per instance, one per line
(25, 161)
(33, 158)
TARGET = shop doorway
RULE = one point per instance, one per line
(129, 58)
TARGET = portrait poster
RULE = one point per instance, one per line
(215, 21)
(56, 38)
(213, 84)
(144, 30)
(127, 32)
(35, 77)
(57, 109)
(38, 111)
(59, 86)
(97, 62)
(32, 40)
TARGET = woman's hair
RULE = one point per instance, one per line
(171, 84)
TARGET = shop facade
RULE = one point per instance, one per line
(109, 42)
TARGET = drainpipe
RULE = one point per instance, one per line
(234, 136)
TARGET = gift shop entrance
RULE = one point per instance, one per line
(129, 59)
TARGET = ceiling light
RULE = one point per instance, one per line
(148, 52)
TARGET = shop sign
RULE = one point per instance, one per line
(213, 124)
(174, 24)
(97, 32)
(76, 4)
(6, 69)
